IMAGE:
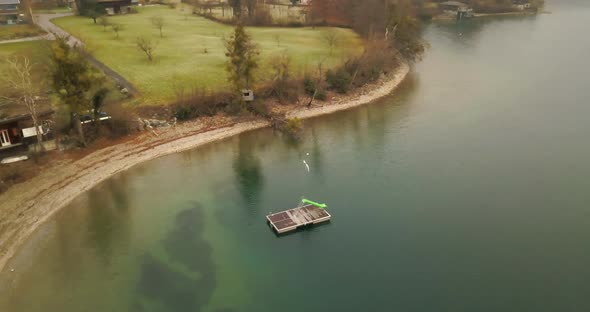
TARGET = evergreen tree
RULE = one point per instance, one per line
(242, 60)
(72, 78)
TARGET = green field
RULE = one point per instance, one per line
(36, 51)
(180, 57)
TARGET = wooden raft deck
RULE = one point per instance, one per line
(292, 219)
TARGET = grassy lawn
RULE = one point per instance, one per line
(180, 56)
(36, 51)
(10, 32)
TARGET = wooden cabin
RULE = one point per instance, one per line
(17, 131)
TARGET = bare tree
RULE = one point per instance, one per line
(19, 82)
(159, 23)
(277, 38)
(146, 46)
(318, 83)
(330, 37)
(104, 22)
(117, 28)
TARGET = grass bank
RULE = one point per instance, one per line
(191, 52)
(19, 31)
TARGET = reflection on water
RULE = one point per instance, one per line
(109, 223)
(248, 172)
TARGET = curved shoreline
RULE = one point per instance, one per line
(24, 207)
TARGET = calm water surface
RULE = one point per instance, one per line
(467, 191)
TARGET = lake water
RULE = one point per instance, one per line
(466, 191)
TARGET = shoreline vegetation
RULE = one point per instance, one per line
(26, 206)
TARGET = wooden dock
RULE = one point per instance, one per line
(292, 219)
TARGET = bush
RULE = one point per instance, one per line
(259, 108)
(199, 103)
(291, 127)
(262, 17)
(295, 24)
(321, 95)
(282, 87)
(339, 79)
(310, 85)
(121, 120)
(294, 126)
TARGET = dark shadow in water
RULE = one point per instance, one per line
(171, 290)
(185, 245)
(162, 286)
(248, 172)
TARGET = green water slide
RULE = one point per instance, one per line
(307, 201)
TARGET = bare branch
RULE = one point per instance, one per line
(146, 46)
(19, 82)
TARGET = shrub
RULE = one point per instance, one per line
(310, 85)
(121, 122)
(259, 108)
(294, 125)
(295, 24)
(261, 17)
(291, 127)
(200, 103)
(282, 87)
(321, 95)
(339, 79)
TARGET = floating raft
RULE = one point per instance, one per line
(292, 219)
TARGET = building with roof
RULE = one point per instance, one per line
(521, 4)
(9, 12)
(17, 133)
(112, 7)
(457, 8)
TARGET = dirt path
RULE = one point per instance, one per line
(27, 205)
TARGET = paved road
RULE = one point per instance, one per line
(44, 21)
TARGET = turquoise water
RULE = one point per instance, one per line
(465, 191)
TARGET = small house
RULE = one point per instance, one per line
(9, 12)
(17, 131)
(112, 7)
(453, 6)
(521, 4)
(457, 8)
